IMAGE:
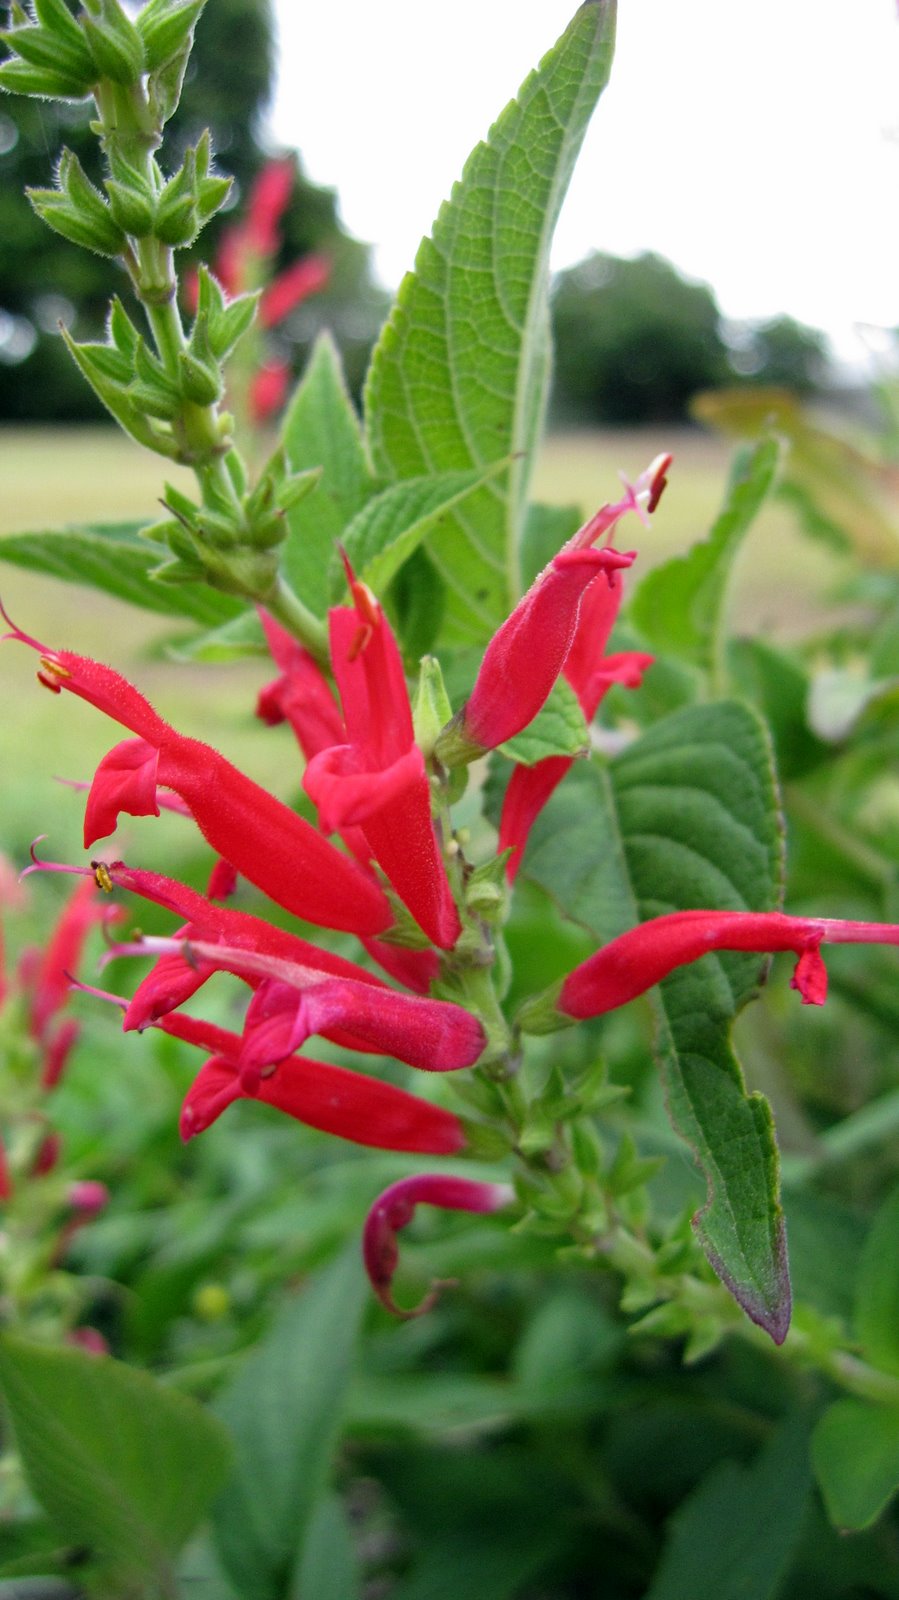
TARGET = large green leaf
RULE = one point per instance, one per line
(680, 606)
(687, 818)
(391, 526)
(284, 1410)
(458, 379)
(120, 1464)
(855, 1448)
(733, 1537)
(113, 558)
(321, 429)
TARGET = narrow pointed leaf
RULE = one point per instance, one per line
(284, 1411)
(458, 379)
(687, 818)
(114, 558)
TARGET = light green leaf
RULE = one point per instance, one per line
(877, 1294)
(855, 1450)
(681, 606)
(733, 1537)
(113, 558)
(236, 639)
(390, 527)
(458, 378)
(686, 818)
(558, 729)
(119, 1463)
(321, 429)
(284, 1410)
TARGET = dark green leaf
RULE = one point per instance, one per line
(855, 1449)
(119, 1463)
(732, 1539)
(877, 1297)
(284, 1410)
(680, 606)
(458, 379)
(327, 1569)
(113, 558)
(687, 818)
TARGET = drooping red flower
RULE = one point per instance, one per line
(291, 287)
(394, 1210)
(526, 655)
(268, 390)
(377, 780)
(262, 838)
(632, 963)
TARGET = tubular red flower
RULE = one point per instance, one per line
(332, 1099)
(268, 390)
(591, 674)
(262, 838)
(52, 981)
(306, 277)
(394, 1210)
(299, 1000)
(527, 654)
(6, 1183)
(267, 203)
(377, 780)
(636, 960)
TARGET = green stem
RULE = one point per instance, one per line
(288, 609)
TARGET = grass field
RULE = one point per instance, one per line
(82, 475)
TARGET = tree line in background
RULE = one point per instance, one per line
(634, 341)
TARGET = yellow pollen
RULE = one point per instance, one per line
(102, 876)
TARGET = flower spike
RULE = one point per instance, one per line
(394, 1210)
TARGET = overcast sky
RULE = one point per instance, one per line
(755, 145)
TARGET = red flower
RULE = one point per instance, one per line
(260, 836)
(525, 657)
(269, 198)
(591, 674)
(306, 277)
(395, 1208)
(268, 390)
(643, 956)
(377, 780)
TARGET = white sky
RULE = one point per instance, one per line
(756, 144)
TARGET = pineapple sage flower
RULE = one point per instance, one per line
(632, 963)
(529, 651)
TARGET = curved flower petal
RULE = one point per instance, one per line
(394, 1210)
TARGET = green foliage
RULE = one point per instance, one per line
(120, 1464)
(438, 399)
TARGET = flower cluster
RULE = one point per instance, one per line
(384, 864)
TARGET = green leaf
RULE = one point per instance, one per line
(119, 1463)
(546, 529)
(327, 1569)
(680, 606)
(558, 729)
(733, 1537)
(877, 1295)
(321, 429)
(114, 558)
(779, 686)
(239, 637)
(855, 1450)
(284, 1410)
(458, 378)
(687, 818)
(391, 526)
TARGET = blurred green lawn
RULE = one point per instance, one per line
(78, 475)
